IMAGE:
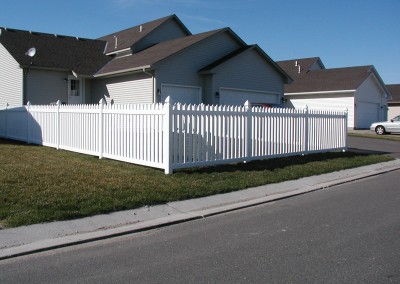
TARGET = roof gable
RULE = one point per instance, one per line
(83, 56)
(154, 54)
(210, 68)
(127, 38)
(394, 90)
(298, 67)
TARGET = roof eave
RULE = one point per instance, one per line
(319, 92)
(175, 17)
(383, 85)
(118, 51)
(275, 65)
(251, 47)
(185, 48)
(124, 71)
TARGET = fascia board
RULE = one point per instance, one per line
(122, 71)
(320, 92)
(118, 51)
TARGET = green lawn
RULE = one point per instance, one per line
(41, 184)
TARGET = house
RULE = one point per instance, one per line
(359, 90)
(54, 65)
(394, 103)
(142, 64)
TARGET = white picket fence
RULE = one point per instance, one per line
(172, 136)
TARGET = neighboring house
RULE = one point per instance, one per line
(143, 64)
(58, 67)
(394, 103)
(359, 90)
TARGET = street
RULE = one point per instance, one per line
(370, 145)
(343, 234)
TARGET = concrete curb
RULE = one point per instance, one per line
(188, 210)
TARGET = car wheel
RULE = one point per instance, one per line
(380, 130)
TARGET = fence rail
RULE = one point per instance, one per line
(172, 136)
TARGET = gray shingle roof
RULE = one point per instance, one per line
(394, 90)
(325, 80)
(128, 37)
(154, 54)
(83, 56)
(336, 79)
(88, 57)
(305, 64)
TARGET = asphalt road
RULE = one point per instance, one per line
(374, 145)
(344, 234)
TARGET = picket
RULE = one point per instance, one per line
(172, 136)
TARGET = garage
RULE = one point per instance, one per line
(367, 113)
(181, 94)
(339, 102)
(228, 96)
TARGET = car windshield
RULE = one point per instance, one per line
(397, 118)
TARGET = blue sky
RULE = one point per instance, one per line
(341, 32)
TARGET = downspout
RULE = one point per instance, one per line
(155, 93)
(24, 85)
(154, 85)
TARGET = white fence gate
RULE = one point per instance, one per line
(176, 136)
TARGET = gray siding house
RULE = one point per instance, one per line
(142, 64)
(360, 90)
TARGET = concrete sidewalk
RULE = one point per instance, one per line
(35, 238)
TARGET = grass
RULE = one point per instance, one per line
(41, 184)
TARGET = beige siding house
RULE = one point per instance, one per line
(11, 79)
(394, 103)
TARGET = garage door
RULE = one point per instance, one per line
(239, 97)
(181, 94)
(366, 114)
(339, 103)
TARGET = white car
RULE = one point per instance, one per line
(390, 126)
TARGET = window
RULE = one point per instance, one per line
(74, 88)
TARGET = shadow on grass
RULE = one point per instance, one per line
(259, 165)
(279, 163)
(4, 141)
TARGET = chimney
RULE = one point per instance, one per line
(116, 42)
(299, 68)
(140, 28)
(295, 64)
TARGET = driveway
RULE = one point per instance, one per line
(371, 145)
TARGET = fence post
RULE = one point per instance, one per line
(249, 132)
(306, 130)
(28, 106)
(58, 124)
(345, 128)
(167, 143)
(102, 103)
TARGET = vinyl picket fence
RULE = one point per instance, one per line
(173, 136)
